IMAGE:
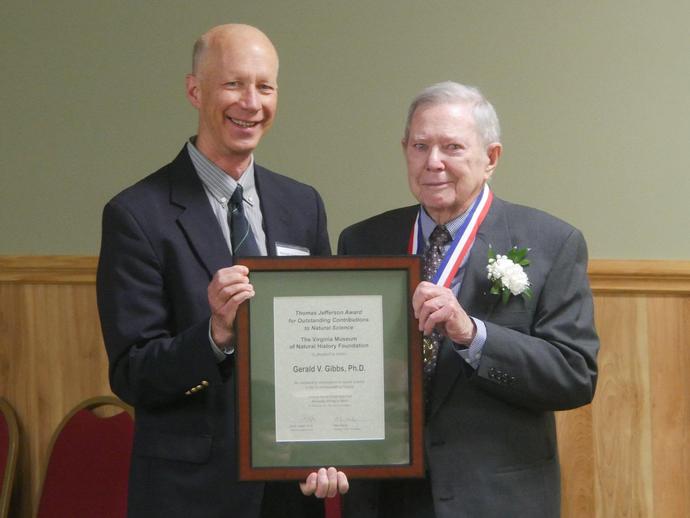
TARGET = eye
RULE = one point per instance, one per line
(266, 88)
(419, 146)
(454, 147)
(231, 84)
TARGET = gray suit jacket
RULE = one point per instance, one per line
(490, 438)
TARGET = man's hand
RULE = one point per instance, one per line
(435, 306)
(226, 291)
(325, 483)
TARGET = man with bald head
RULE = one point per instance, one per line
(168, 297)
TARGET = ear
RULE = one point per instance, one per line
(493, 152)
(192, 90)
(403, 143)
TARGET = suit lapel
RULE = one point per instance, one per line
(273, 212)
(474, 293)
(474, 296)
(397, 239)
(197, 219)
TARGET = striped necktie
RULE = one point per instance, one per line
(433, 256)
(241, 237)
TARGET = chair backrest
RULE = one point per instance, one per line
(88, 464)
(9, 441)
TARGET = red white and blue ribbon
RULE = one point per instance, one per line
(462, 243)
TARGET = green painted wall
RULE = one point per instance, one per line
(593, 96)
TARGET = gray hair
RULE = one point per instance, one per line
(447, 92)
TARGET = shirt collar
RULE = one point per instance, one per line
(217, 182)
(428, 224)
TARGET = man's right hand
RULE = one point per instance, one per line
(325, 483)
(227, 290)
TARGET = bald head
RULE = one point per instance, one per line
(230, 36)
(234, 87)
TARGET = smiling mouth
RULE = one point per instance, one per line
(243, 124)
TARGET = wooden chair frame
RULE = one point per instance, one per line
(11, 464)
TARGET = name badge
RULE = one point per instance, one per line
(284, 249)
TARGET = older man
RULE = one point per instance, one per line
(168, 296)
(501, 354)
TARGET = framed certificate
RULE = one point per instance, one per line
(329, 368)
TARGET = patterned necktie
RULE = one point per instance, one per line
(241, 237)
(433, 256)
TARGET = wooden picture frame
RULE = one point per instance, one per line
(336, 377)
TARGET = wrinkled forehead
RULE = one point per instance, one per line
(442, 119)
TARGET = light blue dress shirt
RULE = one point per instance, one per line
(472, 353)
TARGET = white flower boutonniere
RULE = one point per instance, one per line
(507, 274)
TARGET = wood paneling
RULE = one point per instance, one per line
(669, 344)
(626, 455)
(51, 358)
(640, 276)
(621, 424)
(634, 460)
(49, 269)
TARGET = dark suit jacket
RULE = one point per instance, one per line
(490, 436)
(161, 245)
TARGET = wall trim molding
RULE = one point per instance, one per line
(606, 275)
(48, 269)
(639, 276)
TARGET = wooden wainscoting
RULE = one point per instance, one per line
(51, 355)
(627, 454)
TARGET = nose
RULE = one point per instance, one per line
(250, 99)
(433, 160)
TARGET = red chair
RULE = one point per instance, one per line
(88, 466)
(9, 438)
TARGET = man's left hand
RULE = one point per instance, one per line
(325, 483)
(436, 306)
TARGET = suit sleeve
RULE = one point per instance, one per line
(151, 363)
(552, 365)
(323, 244)
(342, 244)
